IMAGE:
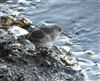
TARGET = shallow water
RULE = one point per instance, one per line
(80, 19)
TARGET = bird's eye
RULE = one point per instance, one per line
(59, 29)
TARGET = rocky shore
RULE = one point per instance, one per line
(20, 60)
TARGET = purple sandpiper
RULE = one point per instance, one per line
(45, 36)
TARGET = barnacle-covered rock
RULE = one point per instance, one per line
(27, 62)
(65, 56)
(23, 22)
(6, 22)
(48, 67)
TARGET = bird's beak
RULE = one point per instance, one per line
(63, 33)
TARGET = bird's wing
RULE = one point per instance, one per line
(37, 34)
(46, 30)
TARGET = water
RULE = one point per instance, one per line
(80, 19)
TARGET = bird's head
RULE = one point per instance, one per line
(56, 31)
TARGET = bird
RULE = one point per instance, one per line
(45, 36)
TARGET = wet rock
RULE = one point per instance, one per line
(47, 67)
(23, 22)
(6, 22)
(69, 62)
(5, 74)
(26, 45)
(5, 51)
(17, 31)
(5, 39)
(43, 51)
(66, 49)
(20, 77)
(15, 45)
(22, 56)
(14, 19)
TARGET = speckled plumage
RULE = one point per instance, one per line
(45, 36)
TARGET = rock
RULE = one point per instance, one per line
(23, 22)
(67, 50)
(17, 31)
(5, 39)
(20, 56)
(6, 22)
(5, 74)
(68, 62)
(15, 45)
(20, 77)
(26, 44)
(48, 67)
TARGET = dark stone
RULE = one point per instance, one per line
(21, 62)
(5, 74)
(20, 77)
(5, 40)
